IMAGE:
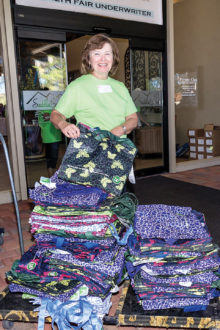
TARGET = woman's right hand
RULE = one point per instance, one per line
(59, 121)
(70, 130)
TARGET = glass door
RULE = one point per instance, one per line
(146, 86)
(42, 80)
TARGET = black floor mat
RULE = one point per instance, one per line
(162, 190)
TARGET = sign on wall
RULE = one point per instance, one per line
(186, 85)
(40, 100)
(147, 11)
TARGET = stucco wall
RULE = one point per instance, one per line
(197, 48)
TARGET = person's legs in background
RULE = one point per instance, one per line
(52, 150)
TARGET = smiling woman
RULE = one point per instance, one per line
(97, 44)
(101, 61)
(95, 99)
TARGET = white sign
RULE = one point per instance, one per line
(40, 100)
(186, 85)
(147, 11)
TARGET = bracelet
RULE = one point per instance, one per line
(124, 129)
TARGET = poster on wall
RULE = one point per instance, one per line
(186, 89)
(147, 11)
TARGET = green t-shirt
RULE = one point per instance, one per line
(49, 133)
(96, 102)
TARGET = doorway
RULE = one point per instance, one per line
(145, 81)
(46, 67)
(142, 70)
(42, 80)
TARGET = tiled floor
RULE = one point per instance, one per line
(209, 176)
(9, 251)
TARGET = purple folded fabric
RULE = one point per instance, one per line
(201, 278)
(169, 222)
(174, 303)
(66, 193)
(25, 289)
(49, 237)
(110, 262)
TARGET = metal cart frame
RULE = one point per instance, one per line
(14, 194)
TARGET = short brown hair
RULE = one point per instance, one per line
(97, 42)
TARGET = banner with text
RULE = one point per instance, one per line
(147, 11)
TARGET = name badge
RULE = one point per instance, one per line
(104, 89)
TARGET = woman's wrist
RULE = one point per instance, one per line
(62, 124)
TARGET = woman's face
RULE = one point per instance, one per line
(101, 61)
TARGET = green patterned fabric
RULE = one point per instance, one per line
(98, 158)
(67, 211)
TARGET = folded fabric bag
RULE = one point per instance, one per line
(98, 158)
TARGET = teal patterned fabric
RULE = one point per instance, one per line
(98, 158)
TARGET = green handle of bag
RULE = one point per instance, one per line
(100, 134)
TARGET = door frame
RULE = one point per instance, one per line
(13, 108)
(158, 46)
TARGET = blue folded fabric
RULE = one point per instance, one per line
(194, 308)
(66, 314)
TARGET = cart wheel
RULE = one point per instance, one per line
(6, 324)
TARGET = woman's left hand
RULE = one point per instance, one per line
(128, 126)
(118, 131)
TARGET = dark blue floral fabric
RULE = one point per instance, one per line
(98, 158)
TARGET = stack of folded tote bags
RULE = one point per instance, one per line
(172, 261)
(89, 237)
(80, 223)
